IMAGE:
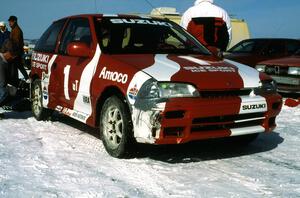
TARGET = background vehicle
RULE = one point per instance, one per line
(146, 80)
(252, 51)
(285, 71)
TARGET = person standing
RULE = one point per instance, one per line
(6, 57)
(17, 39)
(209, 23)
(4, 33)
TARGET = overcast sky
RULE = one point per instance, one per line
(266, 18)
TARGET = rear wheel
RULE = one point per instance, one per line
(39, 112)
(116, 128)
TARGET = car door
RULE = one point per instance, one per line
(69, 68)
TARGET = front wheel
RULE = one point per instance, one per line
(116, 129)
(39, 112)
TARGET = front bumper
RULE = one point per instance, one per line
(190, 119)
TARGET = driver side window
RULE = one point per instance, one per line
(77, 30)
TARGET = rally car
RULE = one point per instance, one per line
(146, 80)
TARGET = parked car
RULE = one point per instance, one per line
(146, 80)
(252, 51)
(285, 71)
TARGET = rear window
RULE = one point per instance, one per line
(47, 42)
(145, 36)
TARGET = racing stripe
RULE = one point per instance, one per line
(195, 60)
(249, 75)
(84, 87)
(163, 68)
(45, 81)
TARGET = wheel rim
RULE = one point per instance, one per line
(37, 100)
(113, 127)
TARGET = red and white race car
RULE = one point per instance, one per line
(146, 80)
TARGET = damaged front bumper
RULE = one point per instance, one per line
(188, 119)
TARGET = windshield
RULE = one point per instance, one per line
(145, 36)
(297, 52)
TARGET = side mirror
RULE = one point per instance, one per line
(78, 49)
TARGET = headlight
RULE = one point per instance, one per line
(294, 71)
(170, 90)
(261, 68)
(267, 86)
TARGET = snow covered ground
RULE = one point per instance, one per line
(64, 158)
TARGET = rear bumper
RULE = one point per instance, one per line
(185, 120)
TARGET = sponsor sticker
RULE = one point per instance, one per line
(86, 99)
(113, 76)
(72, 113)
(38, 65)
(40, 57)
(45, 93)
(133, 92)
(208, 68)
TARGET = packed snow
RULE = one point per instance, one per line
(64, 158)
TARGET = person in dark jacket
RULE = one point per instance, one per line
(7, 55)
(17, 39)
(4, 33)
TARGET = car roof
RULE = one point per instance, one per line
(113, 15)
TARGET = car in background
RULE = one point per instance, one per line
(285, 71)
(146, 80)
(252, 51)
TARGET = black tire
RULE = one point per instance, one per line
(116, 129)
(39, 112)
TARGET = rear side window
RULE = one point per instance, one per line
(77, 30)
(47, 42)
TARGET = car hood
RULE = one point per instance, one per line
(289, 61)
(205, 72)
